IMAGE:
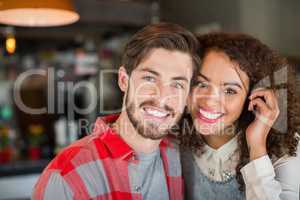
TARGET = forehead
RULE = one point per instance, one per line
(167, 63)
(220, 69)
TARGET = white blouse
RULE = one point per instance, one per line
(264, 179)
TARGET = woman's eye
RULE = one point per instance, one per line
(149, 78)
(230, 91)
(202, 85)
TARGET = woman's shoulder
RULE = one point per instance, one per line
(288, 163)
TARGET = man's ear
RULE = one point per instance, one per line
(123, 79)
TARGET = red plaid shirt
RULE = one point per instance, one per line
(96, 167)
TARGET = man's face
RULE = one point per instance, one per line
(157, 92)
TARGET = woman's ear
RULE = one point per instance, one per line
(123, 79)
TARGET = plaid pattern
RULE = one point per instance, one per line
(96, 167)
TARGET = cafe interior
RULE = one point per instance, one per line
(59, 61)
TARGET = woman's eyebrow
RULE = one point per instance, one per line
(232, 84)
(203, 76)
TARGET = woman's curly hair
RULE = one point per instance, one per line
(259, 62)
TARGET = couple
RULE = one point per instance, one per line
(223, 146)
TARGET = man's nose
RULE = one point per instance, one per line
(170, 97)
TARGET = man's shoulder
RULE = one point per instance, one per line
(88, 149)
(76, 167)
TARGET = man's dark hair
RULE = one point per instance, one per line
(168, 36)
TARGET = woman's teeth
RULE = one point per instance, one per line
(210, 115)
(155, 112)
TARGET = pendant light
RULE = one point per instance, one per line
(37, 13)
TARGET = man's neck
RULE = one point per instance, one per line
(130, 135)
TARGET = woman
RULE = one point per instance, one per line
(229, 150)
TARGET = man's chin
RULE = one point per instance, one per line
(153, 136)
(153, 133)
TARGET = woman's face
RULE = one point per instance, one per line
(217, 100)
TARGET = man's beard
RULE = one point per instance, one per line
(147, 129)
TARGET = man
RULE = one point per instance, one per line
(128, 156)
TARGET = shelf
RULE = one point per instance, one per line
(22, 167)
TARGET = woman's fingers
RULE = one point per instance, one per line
(259, 105)
(268, 95)
(263, 112)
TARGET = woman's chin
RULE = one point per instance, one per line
(206, 133)
(205, 129)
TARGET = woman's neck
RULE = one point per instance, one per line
(216, 141)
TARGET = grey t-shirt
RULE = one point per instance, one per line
(148, 177)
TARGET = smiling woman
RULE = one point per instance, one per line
(233, 150)
(219, 95)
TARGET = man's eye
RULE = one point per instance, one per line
(230, 91)
(177, 85)
(149, 78)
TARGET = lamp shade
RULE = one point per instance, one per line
(37, 13)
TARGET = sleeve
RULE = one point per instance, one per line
(265, 181)
(51, 185)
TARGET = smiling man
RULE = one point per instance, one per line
(129, 156)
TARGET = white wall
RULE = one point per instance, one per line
(275, 22)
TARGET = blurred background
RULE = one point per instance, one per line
(68, 68)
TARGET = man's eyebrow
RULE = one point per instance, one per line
(203, 76)
(150, 71)
(180, 78)
(177, 78)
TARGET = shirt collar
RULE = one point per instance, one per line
(112, 141)
(224, 152)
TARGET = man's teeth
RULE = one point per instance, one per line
(155, 113)
(209, 115)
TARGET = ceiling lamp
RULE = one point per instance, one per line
(37, 13)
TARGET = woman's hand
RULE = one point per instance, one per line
(264, 104)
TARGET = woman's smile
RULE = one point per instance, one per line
(209, 116)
